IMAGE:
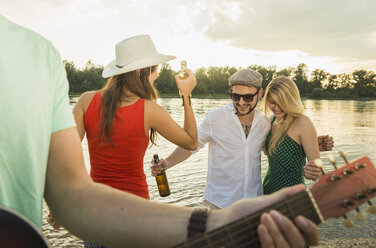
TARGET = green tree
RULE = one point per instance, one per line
(81, 80)
(215, 80)
(71, 71)
(218, 79)
(288, 72)
(318, 77)
(165, 83)
(364, 83)
(317, 93)
(301, 78)
(332, 84)
(202, 81)
(267, 73)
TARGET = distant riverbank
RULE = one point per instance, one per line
(226, 96)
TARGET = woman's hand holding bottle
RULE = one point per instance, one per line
(186, 85)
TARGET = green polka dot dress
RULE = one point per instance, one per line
(285, 165)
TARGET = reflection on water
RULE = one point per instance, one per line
(351, 123)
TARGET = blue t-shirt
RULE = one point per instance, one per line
(34, 104)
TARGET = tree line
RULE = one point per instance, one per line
(214, 80)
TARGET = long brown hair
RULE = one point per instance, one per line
(136, 82)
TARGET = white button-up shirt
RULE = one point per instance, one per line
(234, 166)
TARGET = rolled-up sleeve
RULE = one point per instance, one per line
(204, 133)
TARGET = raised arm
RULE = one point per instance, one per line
(159, 119)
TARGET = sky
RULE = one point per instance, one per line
(338, 36)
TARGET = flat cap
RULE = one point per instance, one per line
(247, 77)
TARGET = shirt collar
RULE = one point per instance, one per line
(231, 107)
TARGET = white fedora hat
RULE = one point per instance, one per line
(134, 53)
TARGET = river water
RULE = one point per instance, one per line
(351, 123)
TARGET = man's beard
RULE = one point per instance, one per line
(249, 111)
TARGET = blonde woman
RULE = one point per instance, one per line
(291, 139)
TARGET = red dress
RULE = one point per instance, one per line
(120, 166)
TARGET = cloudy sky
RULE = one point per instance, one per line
(334, 35)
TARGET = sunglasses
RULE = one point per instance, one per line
(246, 97)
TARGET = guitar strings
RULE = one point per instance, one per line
(287, 211)
(248, 232)
(244, 233)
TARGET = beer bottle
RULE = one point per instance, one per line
(183, 75)
(183, 71)
(162, 182)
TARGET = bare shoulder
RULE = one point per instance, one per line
(151, 106)
(303, 122)
(87, 96)
(303, 119)
(85, 99)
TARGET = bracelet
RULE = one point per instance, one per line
(189, 99)
(197, 222)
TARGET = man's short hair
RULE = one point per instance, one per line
(247, 77)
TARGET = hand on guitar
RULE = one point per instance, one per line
(275, 230)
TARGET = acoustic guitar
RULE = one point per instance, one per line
(335, 194)
(16, 231)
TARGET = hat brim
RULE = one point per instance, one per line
(111, 69)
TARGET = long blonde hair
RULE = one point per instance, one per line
(284, 92)
(113, 94)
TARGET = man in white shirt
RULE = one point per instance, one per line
(236, 134)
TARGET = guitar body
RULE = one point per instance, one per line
(16, 231)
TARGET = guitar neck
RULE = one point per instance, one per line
(243, 232)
